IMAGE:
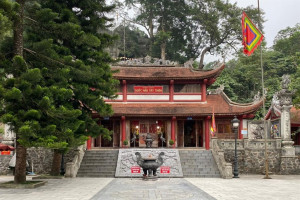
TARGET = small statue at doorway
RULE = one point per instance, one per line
(148, 140)
(163, 140)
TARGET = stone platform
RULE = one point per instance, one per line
(127, 159)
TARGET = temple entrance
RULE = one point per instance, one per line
(189, 133)
(140, 128)
(134, 134)
(104, 141)
(101, 141)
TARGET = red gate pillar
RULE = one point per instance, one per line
(207, 133)
(171, 91)
(173, 130)
(123, 129)
(241, 128)
(124, 90)
(203, 90)
(89, 143)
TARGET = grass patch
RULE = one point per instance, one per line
(25, 185)
(47, 176)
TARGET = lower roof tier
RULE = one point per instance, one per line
(217, 103)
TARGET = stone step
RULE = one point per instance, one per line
(97, 173)
(203, 176)
(198, 163)
(109, 171)
(95, 167)
(98, 163)
(102, 163)
(95, 176)
(101, 157)
(98, 160)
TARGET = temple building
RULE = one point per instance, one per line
(170, 102)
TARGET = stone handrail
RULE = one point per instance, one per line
(73, 167)
(224, 167)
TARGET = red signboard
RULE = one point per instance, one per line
(135, 170)
(165, 170)
(5, 152)
(148, 89)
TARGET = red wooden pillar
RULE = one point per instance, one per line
(207, 132)
(123, 129)
(241, 128)
(89, 143)
(203, 90)
(173, 129)
(171, 99)
(124, 90)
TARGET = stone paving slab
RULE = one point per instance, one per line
(57, 189)
(164, 188)
(247, 187)
(251, 187)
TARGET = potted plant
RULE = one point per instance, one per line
(171, 142)
(125, 142)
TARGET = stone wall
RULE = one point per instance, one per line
(40, 158)
(290, 165)
(4, 161)
(251, 156)
(253, 161)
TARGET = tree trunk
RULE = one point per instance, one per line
(151, 27)
(206, 49)
(163, 50)
(18, 29)
(20, 167)
(56, 162)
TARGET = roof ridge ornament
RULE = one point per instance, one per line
(189, 63)
(285, 95)
(275, 99)
(147, 61)
(256, 97)
(220, 89)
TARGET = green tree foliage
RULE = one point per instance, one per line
(296, 80)
(217, 26)
(7, 12)
(167, 25)
(136, 42)
(181, 30)
(49, 94)
(242, 76)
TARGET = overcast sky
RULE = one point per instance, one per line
(279, 14)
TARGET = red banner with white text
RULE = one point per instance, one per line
(148, 89)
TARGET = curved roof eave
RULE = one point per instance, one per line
(164, 73)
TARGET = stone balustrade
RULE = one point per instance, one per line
(73, 167)
(224, 167)
(252, 155)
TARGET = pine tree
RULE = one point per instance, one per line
(50, 94)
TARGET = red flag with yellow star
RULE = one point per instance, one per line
(252, 37)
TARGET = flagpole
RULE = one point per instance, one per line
(263, 95)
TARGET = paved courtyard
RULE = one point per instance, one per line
(248, 187)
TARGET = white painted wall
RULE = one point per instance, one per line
(147, 97)
(187, 97)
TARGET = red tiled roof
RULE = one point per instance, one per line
(295, 116)
(220, 103)
(274, 113)
(164, 73)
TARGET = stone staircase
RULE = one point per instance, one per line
(99, 163)
(198, 163)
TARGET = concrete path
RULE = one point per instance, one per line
(247, 188)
